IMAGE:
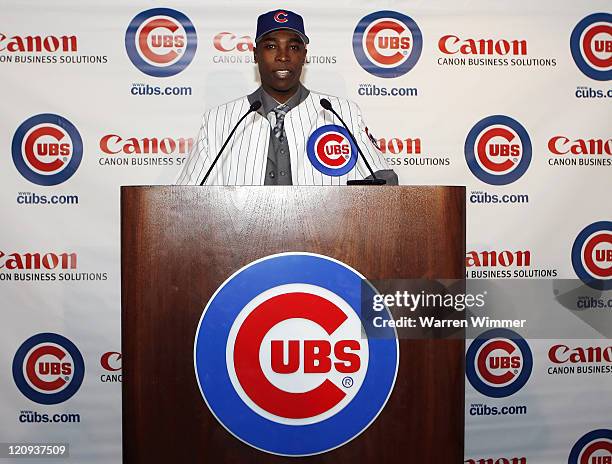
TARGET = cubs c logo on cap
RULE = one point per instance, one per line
(498, 363)
(281, 17)
(591, 46)
(592, 255)
(387, 43)
(498, 150)
(593, 447)
(161, 42)
(331, 150)
(48, 368)
(280, 359)
(47, 149)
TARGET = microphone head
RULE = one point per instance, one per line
(325, 103)
(255, 105)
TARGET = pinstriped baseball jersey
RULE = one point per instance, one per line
(243, 161)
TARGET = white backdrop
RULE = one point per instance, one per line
(94, 85)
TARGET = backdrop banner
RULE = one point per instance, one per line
(511, 99)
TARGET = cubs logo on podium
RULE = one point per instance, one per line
(48, 368)
(592, 255)
(331, 150)
(591, 46)
(47, 149)
(161, 42)
(280, 359)
(594, 447)
(498, 363)
(387, 43)
(498, 150)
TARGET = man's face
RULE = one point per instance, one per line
(280, 56)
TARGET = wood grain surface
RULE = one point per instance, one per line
(179, 244)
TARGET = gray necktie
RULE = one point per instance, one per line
(280, 111)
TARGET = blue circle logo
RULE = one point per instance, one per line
(498, 150)
(47, 149)
(331, 150)
(387, 43)
(597, 443)
(592, 255)
(48, 368)
(498, 363)
(591, 46)
(281, 360)
(161, 42)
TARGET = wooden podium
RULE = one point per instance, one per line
(179, 244)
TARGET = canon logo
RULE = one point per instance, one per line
(498, 258)
(113, 144)
(497, 461)
(561, 145)
(398, 146)
(38, 261)
(228, 42)
(451, 45)
(36, 43)
(561, 354)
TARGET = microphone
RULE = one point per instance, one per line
(325, 103)
(254, 107)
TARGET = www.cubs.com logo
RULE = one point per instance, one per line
(593, 448)
(331, 150)
(280, 358)
(591, 46)
(498, 363)
(387, 43)
(592, 255)
(161, 42)
(47, 149)
(48, 368)
(498, 150)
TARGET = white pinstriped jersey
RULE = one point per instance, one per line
(243, 161)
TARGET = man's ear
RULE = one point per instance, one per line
(255, 54)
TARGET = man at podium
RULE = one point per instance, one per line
(284, 133)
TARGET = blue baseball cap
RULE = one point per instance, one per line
(280, 19)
